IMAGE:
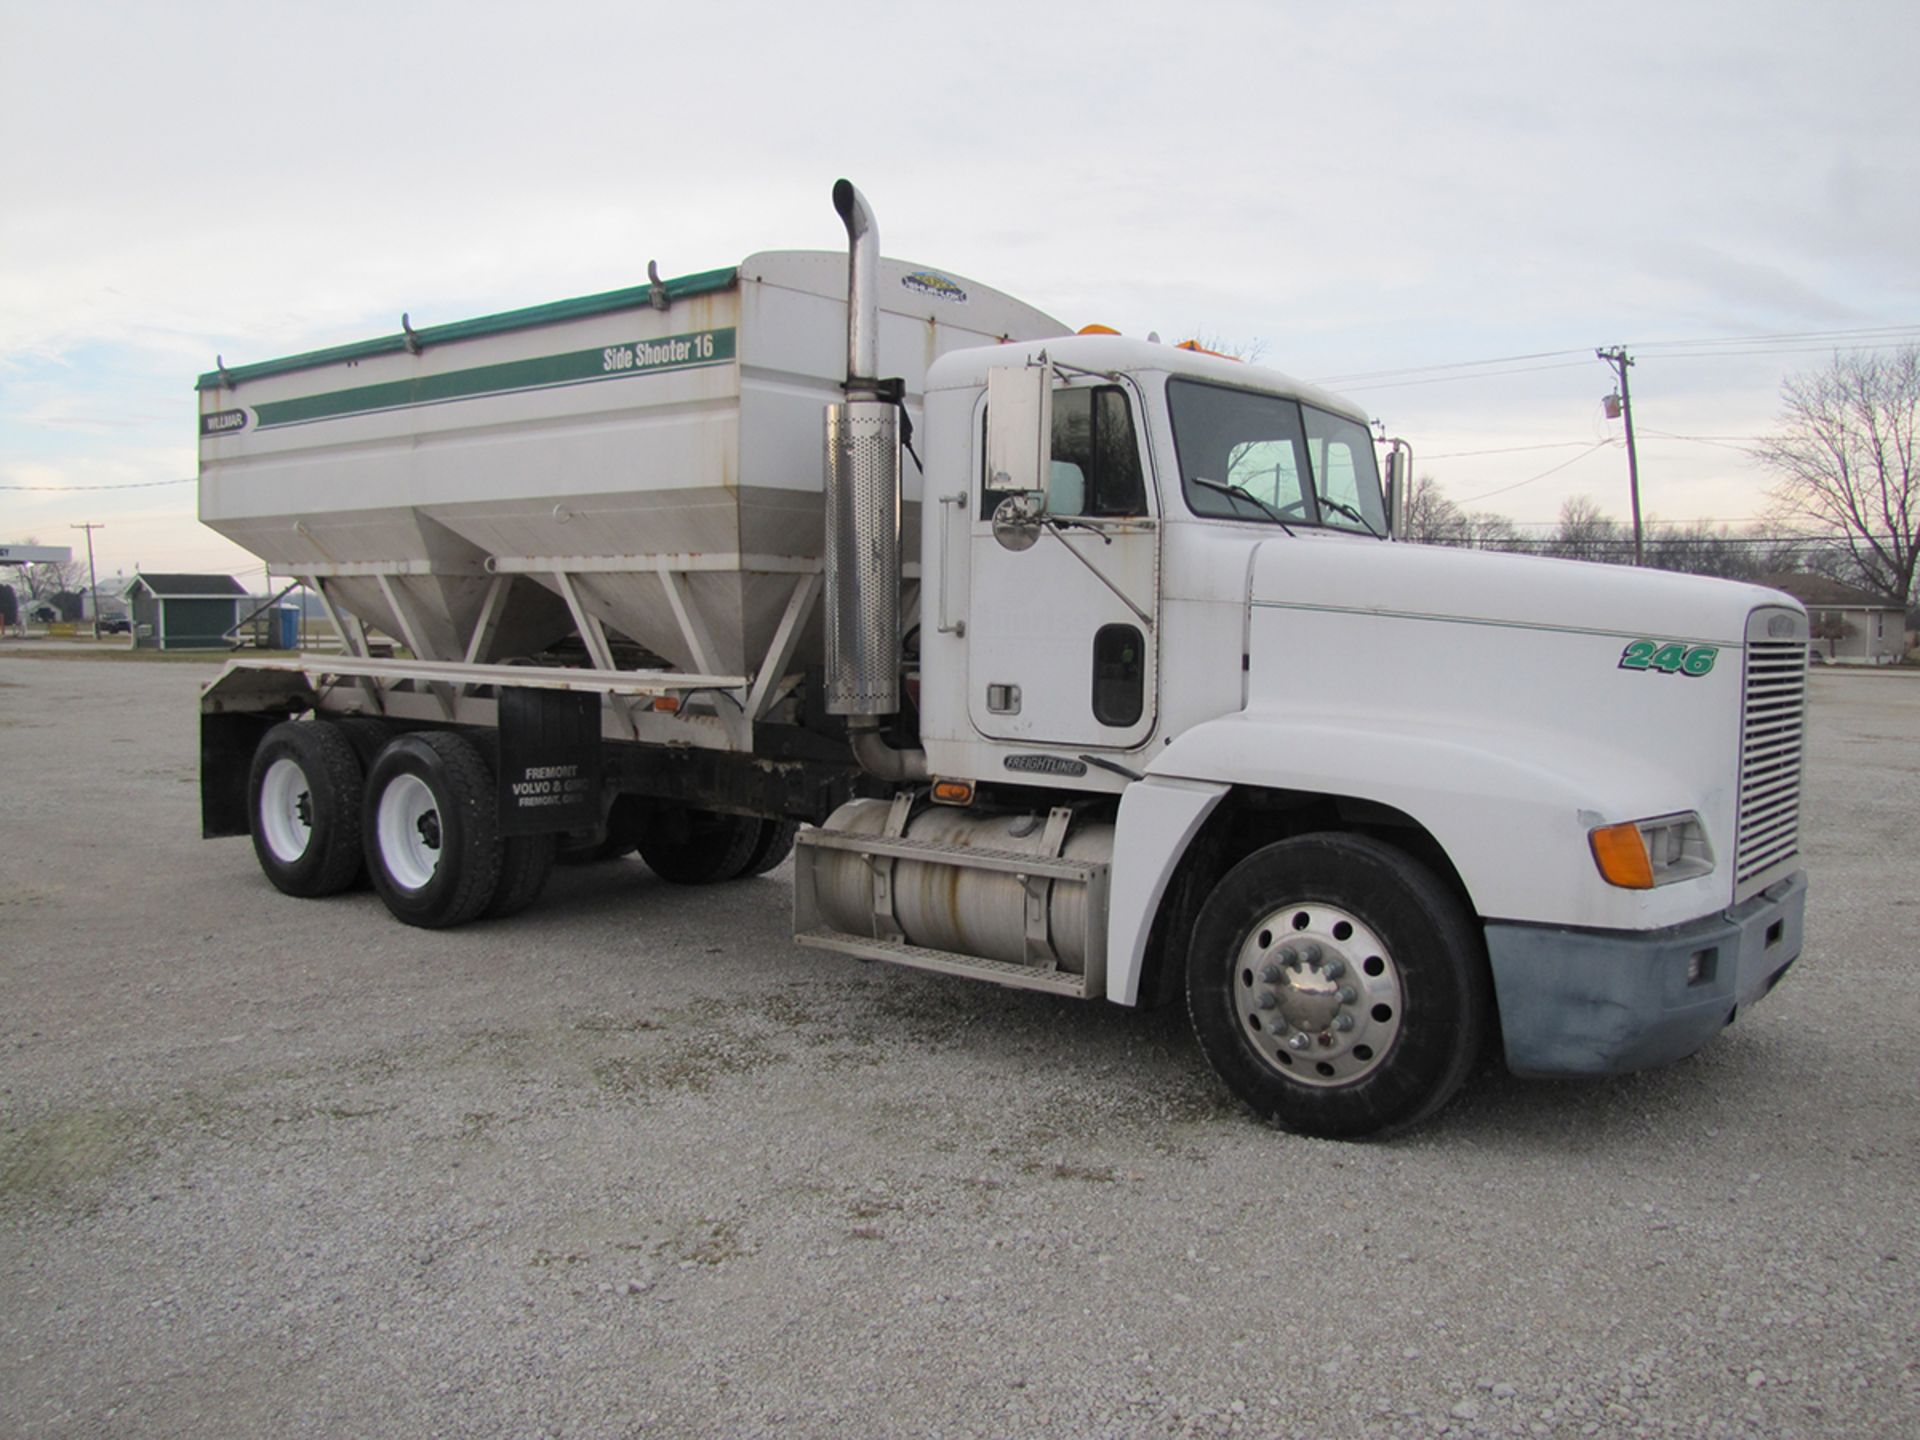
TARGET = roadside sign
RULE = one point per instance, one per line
(35, 554)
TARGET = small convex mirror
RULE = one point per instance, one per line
(1020, 428)
(1016, 521)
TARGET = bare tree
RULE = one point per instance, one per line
(1587, 532)
(1777, 554)
(1699, 548)
(1846, 460)
(1210, 342)
(46, 578)
(1433, 519)
(1488, 531)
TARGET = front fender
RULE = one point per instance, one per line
(1511, 808)
(1158, 820)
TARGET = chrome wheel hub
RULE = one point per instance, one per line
(1317, 994)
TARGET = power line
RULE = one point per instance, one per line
(1785, 342)
(1510, 449)
(1455, 379)
(131, 485)
(1784, 350)
(1781, 336)
(1723, 442)
(1451, 365)
(1489, 494)
(1793, 545)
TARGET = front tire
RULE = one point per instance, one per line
(1337, 987)
(432, 838)
(303, 808)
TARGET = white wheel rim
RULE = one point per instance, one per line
(286, 810)
(408, 826)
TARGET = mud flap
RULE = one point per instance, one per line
(549, 771)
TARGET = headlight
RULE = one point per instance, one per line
(1644, 853)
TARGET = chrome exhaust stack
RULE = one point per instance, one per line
(863, 299)
(862, 497)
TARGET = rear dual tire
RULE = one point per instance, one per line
(700, 847)
(685, 845)
(776, 843)
(303, 809)
(423, 825)
(432, 839)
(433, 845)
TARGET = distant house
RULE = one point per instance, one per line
(184, 612)
(1849, 626)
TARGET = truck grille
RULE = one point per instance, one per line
(1773, 719)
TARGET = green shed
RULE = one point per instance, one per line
(184, 612)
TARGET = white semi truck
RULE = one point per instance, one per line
(1116, 686)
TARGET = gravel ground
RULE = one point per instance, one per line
(633, 1164)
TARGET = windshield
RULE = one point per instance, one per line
(1249, 456)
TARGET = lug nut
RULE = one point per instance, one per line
(1335, 968)
(1299, 1040)
(1343, 1023)
(1311, 954)
(1346, 995)
(1270, 974)
(1289, 957)
(1265, 1000)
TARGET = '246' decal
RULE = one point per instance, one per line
(1668, 659)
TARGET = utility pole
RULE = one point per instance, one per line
(93, 585)
(1621, 362)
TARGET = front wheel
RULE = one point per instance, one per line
(1337, 987)
(432, 837)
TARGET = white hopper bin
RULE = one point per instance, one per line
(480, 490)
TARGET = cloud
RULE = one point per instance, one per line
(1362, 186)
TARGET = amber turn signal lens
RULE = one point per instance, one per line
(1622, 856)
(953, 792)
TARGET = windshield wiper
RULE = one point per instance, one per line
(1330, 503)
(1240, 492)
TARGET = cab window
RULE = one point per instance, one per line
(1096, 456)
(1246, 455)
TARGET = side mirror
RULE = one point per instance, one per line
(1399, 485)
(1020, 428)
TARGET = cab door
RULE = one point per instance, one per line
(1063, 636)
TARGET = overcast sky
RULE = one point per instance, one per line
(1357, 189)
